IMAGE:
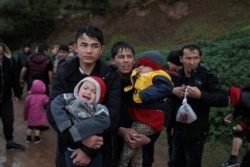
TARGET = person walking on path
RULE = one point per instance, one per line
(34, 110)
(9, 82)
(22, 59)
(39, 66)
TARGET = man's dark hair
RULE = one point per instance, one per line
(92, 32)
(64, 47)
(174, 57)
(42, 48)
(71, 43)
(190, 47)
(26, 45)
(121, 45)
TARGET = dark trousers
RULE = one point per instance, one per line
(7, 117)
(169, 142)
(187, 152)
(60, 156)
(108, 153)
(246, 160)
(148, 150)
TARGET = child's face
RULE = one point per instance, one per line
(144, 69)
(87, 92)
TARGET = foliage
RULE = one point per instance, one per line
(106, 55)
(29, 20)
(38, 20)
(99, 7)
(228, 57)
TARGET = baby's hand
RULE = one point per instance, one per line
(238, 128)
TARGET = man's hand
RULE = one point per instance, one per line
(15, 99)
(138, 140)
(80, 158)
(179, 91)
(194, 92)
(238, 128)
(94, 142)
(133, 139)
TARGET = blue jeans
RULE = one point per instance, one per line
(187, 152)
(96, 162)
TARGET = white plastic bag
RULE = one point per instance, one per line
(185, 113)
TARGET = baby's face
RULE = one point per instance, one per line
(87, 92)
(144, 69)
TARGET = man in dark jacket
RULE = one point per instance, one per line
(38, 66)
(123, 56)
(22, 59)
(90, 45)
(203, 91)
(9, 81)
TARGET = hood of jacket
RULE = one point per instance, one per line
(38, 87)
(7, 51)
(39, 58)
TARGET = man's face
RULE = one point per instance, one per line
(27, 49)
(190, 60)
(125, 60)
(55, 49)
(63, 54)
(88, 49)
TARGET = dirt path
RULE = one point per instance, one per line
(43, 154)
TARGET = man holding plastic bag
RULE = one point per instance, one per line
(198, 90)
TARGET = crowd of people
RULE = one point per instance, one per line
(111, 114)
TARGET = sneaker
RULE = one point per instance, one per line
(230, 163)
(14, 146)
(28, 139)
(37, 140)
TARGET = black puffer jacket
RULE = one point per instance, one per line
(9, 79)
(211, 96)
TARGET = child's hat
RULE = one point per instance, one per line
(234, 93)
(99, 84)
(152, 59)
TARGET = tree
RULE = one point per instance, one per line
(27, 19)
